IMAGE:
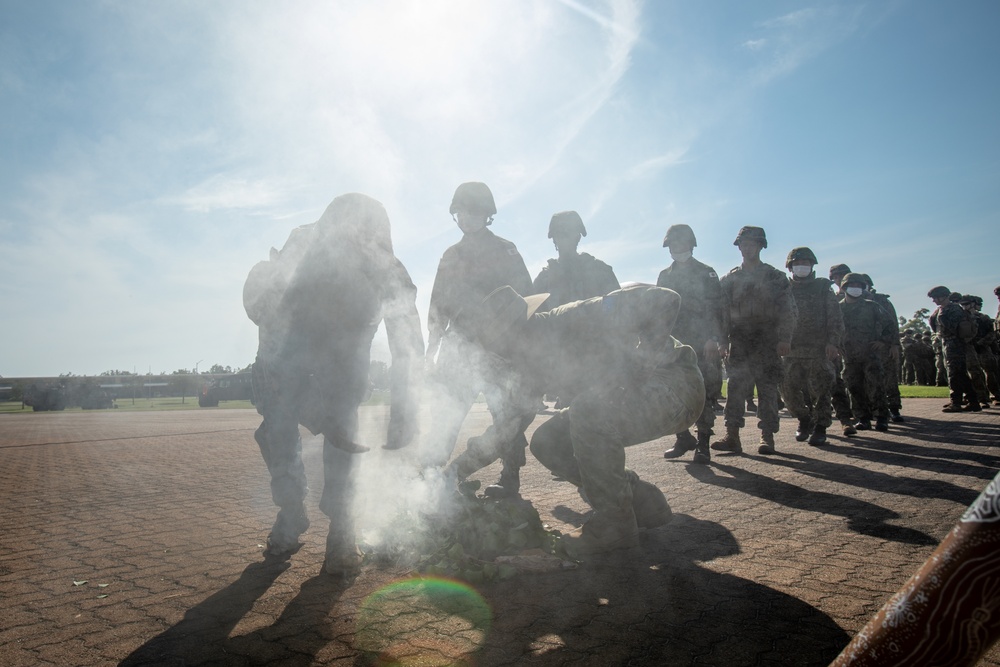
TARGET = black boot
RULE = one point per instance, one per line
(685, 442)
(802, 433)
(702, 454)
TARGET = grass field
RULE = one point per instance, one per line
(378, 398)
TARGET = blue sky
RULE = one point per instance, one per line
(153, 152)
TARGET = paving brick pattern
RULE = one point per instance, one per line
(135, 539)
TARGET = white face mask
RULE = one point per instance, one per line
(801, 271)
(854, 292)
(680, 256)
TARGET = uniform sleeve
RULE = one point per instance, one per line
(439, 312)
(520, 279)
(713, 306)
(725, 307)
(834, 320)
(785, 309)
(406, 345)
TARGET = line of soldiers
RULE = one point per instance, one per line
(625, 365)
(968, 341)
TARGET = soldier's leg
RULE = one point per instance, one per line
(740, 388)
(552, 445)
(958, 376)
(796, 392)
(893, 398)
(878, 376)
(769, 372)
(992, 369)
(840, 397)
(281, 448)
(685, 442)
(854, 378)
(976, 374)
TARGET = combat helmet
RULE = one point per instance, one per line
(567, 222)
(474, 196)
(839, 270)
(751, 234)
(938, 292)
(996, 290)
(681, 234)
(955, 297)
(856, 278)
(800, 253)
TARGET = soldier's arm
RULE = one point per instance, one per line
(406, 345)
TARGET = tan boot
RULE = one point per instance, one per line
(766, 443)
(730, 442)
(343, 557)
(604, 532)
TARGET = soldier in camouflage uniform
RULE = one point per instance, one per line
(977, 372)
(986, 348)
(758, 320)
(630, 382)
(869, 338)
(573, 276)
(839, 396)
(892, 370)
(699, 325)
(909, 365)
(924, 359)
(809, 370)
(468, 271)
(946, 322)
(316, 358)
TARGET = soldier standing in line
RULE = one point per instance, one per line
(839, 397)
(317, 360)
(946, 322)
(940, 367)
(892, 365)
(573, 276)
(869, 339)
(925, 357)
(468, 271)
(977, 372)
(986, 349)
(758, 321)
(699, 324)
(909, 370)
(819, 328)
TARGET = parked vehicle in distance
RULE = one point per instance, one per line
(235, 387)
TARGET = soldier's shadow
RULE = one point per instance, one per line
(657, 605)
(203, 635)
(862, 517)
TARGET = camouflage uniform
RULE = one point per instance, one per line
(891, 369)
(973, 350)
(946, 321)
(629, 380)
(923, 353)
(809, 373)
(839, 397)
(758, 313)
(468, 272)
(986, 349)
(909, 364)
(699, 321)
(868, 332)
(940, 367)
(346, 282)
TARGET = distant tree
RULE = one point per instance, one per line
(114, 373)
(184, 382)
(246, 369)
(219, 368)
(918, 322)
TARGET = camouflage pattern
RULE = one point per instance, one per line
(808, 373)
(908, 374)
(699, 321)
(945, 321)
(923, 360)
(891, 364)
(868, 333)
(468, 271)
(986, 349)
(573, 279)
(314, 358)
(758, 312)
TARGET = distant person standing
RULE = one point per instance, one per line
(819, 328)
(946, 322)
(699, 324)
(986, 348)
(840, 398)
(892, 365)
(869, 339)
(759, 318)
(574, 275)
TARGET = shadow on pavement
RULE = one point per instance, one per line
(656, 605)
(202, 636)
(862, 517)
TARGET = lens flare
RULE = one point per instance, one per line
(423, 621)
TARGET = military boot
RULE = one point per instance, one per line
(730, 442)
(604, 532)
(702, 454)
(649, 505)
(288, 526)
(685, 443)
(509, 485)
(766, 443)
(343, 557)
(849, 429)
(802, 433)
(896, 417)
(818, 437)
(882, 424)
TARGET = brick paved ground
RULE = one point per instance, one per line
(135, 538)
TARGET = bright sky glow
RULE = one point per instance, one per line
(153, 152)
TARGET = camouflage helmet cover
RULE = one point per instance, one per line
(680, 234)
(938, 292)
(751, 234)
(996, 290)
(868, 280)
(853, 278)
(473, 196)
(567, 222)
(839, 270)
(955, 296)
(967, 298)
(801, 253)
